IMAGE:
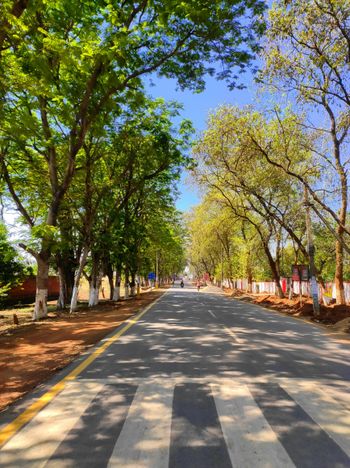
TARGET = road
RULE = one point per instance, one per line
(200, 380)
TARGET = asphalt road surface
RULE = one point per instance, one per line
(200, 380)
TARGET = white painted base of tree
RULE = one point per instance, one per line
(77, 276)
(126, 292)
(60, 302)
(74, 300)
(116, 293)
(93, 297)
(40, 308)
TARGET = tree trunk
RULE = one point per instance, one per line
(339, 249)
(78, 273)
(42, 282)
(250, 282)
(279, 291)
(249, 273)
(274, 271)
(110, 281)
(126, 285)
(116, 290)
(132, 285)
(342, 172)
(138, 286)
(66, 277)
(61, 301)
(66, 263)
(338, 278)
(278, 254)
(94, 284)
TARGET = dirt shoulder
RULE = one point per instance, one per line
(31, 354)
(334, 317)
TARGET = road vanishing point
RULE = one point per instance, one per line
(195, 380)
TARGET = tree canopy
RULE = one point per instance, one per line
(79, 139)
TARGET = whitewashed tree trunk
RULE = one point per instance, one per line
(116, 293)
(42, 280)
(95, 284)
(126, 290)
(77, 276)
(40, 308)
(116, 289)
(138, 285)
(93, 296)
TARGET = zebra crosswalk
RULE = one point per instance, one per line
(144, 440)
(173, 422)
(250, 438)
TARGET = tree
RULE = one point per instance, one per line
(164, 240)
(307, 55)
(222, 245)
(10, 12)
(142, 149)
(203, 247)
(211, 249)
(79, 61)
(231, 166)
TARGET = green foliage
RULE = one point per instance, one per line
(220, 244)
(70, 69)
(84, 153)
(12, 269)
(307, 58)
(234, 165)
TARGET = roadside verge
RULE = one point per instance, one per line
(32, 355)
(335, 319)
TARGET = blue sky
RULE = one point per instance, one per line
(196, 108)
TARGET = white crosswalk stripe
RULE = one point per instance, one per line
(145, 437)
(249, 438)
(37, 441)
(331, 415)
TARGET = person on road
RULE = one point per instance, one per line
(198, 285)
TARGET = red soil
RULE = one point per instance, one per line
(329, 314)
(29, 355)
